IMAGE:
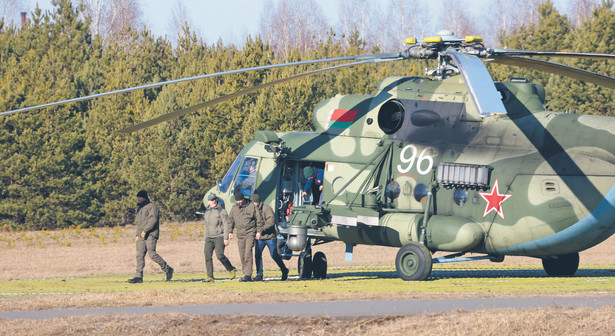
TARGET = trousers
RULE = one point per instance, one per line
(148, 246)
(217, 244)
(245, 245)
(259, 246)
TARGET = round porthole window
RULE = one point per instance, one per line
(420, 192)
(460, 196)
(337, 184)
(393, 189)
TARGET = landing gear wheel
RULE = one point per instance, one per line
(304, 265)
(319, 265)
(413, 262)
(564, 265)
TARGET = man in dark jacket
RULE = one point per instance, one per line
(268, 238)
(217, 229)
(148, 217)
(248, 220)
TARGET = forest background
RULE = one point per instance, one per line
(67, 166)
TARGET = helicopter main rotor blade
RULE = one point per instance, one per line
(187, 110)
(392, 56)
(558, 69)
(479, 82)
(571, 54)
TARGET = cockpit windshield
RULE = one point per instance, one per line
(228, 177)
(247, 176)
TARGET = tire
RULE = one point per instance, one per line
(319, 266)
(304, 265)
(413, 262)
(564, 265)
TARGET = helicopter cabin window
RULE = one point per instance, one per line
(420, 192)
(460, 196)
(247, 176)
(228, 177)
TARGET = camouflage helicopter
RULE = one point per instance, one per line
(452, 162)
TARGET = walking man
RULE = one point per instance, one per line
(249, 223)
(268, 238)
(148, 217)
(217, 230)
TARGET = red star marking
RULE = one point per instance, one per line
(494, 200)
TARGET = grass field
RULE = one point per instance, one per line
(76, 268)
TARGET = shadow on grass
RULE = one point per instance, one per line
(353, 275)
(470, 273)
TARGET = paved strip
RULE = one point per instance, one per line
(330, 308)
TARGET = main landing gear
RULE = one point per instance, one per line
(564, 265)
(413, 262)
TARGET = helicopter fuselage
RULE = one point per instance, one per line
(415, 163)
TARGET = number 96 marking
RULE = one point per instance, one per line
(409, 158)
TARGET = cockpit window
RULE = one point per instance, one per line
(247, 176)
(228, 177)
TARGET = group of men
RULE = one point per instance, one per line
(253, 222)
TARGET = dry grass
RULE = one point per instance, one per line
(546, 321)
(78, 253)
(108, 254)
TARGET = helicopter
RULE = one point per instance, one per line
(451, 162)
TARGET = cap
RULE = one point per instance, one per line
(142, 193)
(255, 198)
(238, 195)
(211, 197)
(308, 171)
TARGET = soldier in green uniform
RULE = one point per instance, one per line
(249, 223)
(148, 217)
(268, 238)
(216, 236)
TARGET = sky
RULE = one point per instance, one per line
(233, 20)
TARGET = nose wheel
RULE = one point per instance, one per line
(304, 264)
(413, 262)
(308, 266)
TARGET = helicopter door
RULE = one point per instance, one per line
(312, 178)
(293, 184)
(246, 179)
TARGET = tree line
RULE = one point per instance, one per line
(67, 165)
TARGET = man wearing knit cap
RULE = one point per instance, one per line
(148, 217)
(268, 238)
(248, 220)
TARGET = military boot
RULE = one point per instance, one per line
(135, 280)
(232, 273)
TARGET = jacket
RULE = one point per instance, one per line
(216, 222)
(268, 231)
(148, 217)
(246, 218)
